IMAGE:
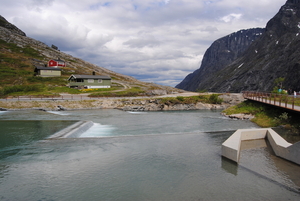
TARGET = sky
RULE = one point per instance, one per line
(157, 41)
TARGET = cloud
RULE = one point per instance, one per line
(141, 42)
(231, 17)
(157, 41)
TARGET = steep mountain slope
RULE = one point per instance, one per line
(275, 54)
(9, 26)
(220, 54)
(19, 55)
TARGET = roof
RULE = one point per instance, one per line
(46, 68)
(58, 60)
(103, 77)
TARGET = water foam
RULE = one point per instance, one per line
(98, 130)
(59, 113)
(136, 112)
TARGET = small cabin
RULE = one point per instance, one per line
(89, 81)
(56, 63)
(47, 71)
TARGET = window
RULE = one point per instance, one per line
(99, 80)
(90, 80)
(77, 80)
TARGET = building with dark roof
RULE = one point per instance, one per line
(89, 81)
(47, 71)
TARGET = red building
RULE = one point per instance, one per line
(56, 63)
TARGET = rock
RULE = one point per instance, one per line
(60, 108)
(157, 92)
(240, 116)
(220, 54)
(232, 98)
(13, 28)
(272, 55)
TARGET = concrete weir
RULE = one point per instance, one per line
(232, 146)
(73, 131)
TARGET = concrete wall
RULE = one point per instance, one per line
(232, 146)
(74, 130)
(49, 73)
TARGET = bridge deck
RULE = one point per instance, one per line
(283, 101)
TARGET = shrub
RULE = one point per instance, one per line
(180, 98)
(214, 99)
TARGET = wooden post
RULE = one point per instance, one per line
(280, 100)
(293, 106)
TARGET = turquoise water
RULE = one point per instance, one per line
(140, 156)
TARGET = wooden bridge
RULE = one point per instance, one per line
(289, 102)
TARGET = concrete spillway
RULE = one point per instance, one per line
(232, 146)
(73, 131)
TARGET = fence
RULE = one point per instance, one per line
(61, 98)
(281, 100)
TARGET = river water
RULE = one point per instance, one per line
(136, 156)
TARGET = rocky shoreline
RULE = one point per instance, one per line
(122, 104)
(239, 116)
(144, 104)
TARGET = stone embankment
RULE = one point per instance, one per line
(126, 105)
(240, 116)
(144, 104)
(156, 105)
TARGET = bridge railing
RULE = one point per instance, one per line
(281, 100)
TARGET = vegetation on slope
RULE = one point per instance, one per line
(267, 116)
(17, 64)
(211, 99)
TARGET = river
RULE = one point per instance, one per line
(173, 155)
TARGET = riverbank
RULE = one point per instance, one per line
(127, 104)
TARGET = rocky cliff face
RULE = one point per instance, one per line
(4, 23)
(220, 54)
(275, 54)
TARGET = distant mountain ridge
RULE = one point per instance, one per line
(220, 54)
(275, 54)
(4, 23)
(20, 54)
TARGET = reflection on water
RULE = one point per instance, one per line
(15, 135)
(185, 165)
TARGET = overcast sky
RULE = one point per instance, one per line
(158, 41)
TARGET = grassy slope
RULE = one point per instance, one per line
(267, 116)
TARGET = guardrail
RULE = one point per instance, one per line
(281, 100)
(62, 98)
(66, 97)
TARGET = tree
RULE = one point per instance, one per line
(278, 84)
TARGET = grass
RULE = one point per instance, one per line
(211, 99)
(267, 116)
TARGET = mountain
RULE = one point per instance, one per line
(275, 54)
(4, 23)
(220, 54)
(20, 54)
